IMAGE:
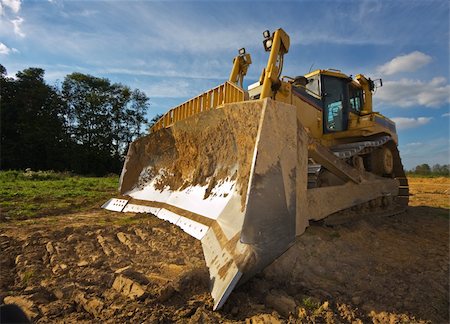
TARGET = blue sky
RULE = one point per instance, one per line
(174, 50)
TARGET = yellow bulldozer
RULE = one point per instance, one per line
(246, 170)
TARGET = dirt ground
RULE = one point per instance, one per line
(114, 268)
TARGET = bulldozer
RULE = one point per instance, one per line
(246, 171)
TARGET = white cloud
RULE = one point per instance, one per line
(167, 69)
(17, 23)
(14, 5)
(408, 93)
(177, 88)
(433, 151)
(405, 63)
(6, 50)
(11, 16)
(166, 89)
(446, 115)
(414, 144)
(406, 122)
(179, 39)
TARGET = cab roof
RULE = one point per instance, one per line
(330, 72)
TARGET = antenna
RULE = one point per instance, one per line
(310, 68)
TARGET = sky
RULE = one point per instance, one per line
(175, 50)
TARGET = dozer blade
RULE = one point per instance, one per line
(236, 178)
(228, 177)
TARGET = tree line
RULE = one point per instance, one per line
(435, 170)
(83, 125)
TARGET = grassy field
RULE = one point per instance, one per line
(25, 195)
(33, 194)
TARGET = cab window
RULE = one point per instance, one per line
(334, 98)
(355, 96)
(313, 85)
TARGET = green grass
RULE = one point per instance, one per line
(27, 195)
(27, 276)
(310, 303)
(127, 220)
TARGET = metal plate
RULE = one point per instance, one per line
(115, 204)
(133, 208)
(223, 272)
(168, 216)
(193, 228)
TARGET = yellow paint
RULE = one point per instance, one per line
(270, 75)
(240, 67)
(211, 99)
(333, 73)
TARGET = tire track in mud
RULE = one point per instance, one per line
(374, 270)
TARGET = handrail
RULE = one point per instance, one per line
(211, 99)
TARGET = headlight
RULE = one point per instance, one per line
(268, 44)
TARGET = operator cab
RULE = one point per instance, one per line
(338, 96)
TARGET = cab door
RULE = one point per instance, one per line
(335, 103)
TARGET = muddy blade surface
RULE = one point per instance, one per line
(227, 177)
(236, 178)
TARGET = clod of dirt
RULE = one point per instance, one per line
(60, 294)
(281, 302)
(203, 315)
(122, 269)
(263, 319)
(106, 249)
(92, 305)
(193, 279)
(128, 287)
(82, 263)
(124, 239)
(165, 293)
(55, 309)
(49, 247)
